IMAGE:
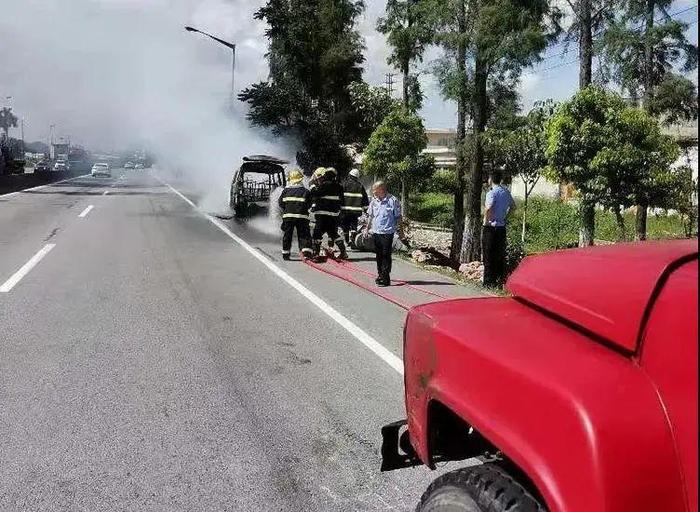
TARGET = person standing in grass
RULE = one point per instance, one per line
(384, 214)
(499, 204)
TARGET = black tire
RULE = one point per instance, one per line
(483, 488)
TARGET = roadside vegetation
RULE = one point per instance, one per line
(608, 146)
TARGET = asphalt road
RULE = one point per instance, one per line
(152, 360)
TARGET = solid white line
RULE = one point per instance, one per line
(17, 277)
(368, 341)
(10, 194)
(84, 213)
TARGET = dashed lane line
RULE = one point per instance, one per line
(368, 341)
(87, 210)
(26, 268)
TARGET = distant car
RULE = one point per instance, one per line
(101, 169)
(42, 167)
(138, 166)
(129, 165)
(61, 166)
(254, 181)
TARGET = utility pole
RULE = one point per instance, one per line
(390, 83)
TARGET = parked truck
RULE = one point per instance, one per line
(578, 393)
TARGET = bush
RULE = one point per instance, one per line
(432, 208)
(551, 224)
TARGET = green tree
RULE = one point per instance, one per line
(7, 120)
(372, 105)
(394, 152)
(408, 32)
(641, 49)
(615, 155)
(315, 52)
(485, 41)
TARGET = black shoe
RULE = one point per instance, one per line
(286, 257)
(383, 284)
(378, 280)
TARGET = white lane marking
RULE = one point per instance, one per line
(84, 213)
(17, 277)
(10, 194)
(368, 341)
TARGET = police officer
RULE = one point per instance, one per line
(356, 201)
(294, 203)
(327, 202)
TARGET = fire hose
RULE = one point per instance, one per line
(344, 269)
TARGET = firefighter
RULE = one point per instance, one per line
(295, 203)
(327, 200)
(356, 202)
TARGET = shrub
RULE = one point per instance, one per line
(432, 208)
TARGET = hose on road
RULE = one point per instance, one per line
(344, 269)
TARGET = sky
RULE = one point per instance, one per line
(110, 72)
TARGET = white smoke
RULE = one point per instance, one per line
(112, 74)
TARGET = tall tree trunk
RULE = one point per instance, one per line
(527, 196)
(642, 208)
(640, 224)
(471, 242)
(406, 72)
(587, 231)
(585, 78)
(585, 47)
(621, 230)
(404, 200)
(461, 165)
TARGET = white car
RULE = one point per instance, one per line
(129, 165)
(61, 166)
(138, 166)
(101, 169)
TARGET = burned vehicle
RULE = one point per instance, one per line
(578, 393)
(254, 182)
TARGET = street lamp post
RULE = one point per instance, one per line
(232, 47)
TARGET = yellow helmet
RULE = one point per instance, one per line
(321, 171)
(331, 170)
(295, 176)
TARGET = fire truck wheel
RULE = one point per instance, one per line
(483, 488)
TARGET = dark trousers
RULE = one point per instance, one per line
(383, 245)
(493, 246)
(326, 225)
(303, 235)
(348, 222)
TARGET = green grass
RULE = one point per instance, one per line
(551, 224)
(432, 208)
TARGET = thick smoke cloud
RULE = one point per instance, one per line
(112, 74)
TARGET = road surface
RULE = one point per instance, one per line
(151, 359)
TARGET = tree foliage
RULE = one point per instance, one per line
(408, 33)
(394, 150)
(372, 105)
(497, 39)
(641, 49)
(315, 52)
(615, 155)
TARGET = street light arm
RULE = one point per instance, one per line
(225, 43)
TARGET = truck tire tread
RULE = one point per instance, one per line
(489, 485)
